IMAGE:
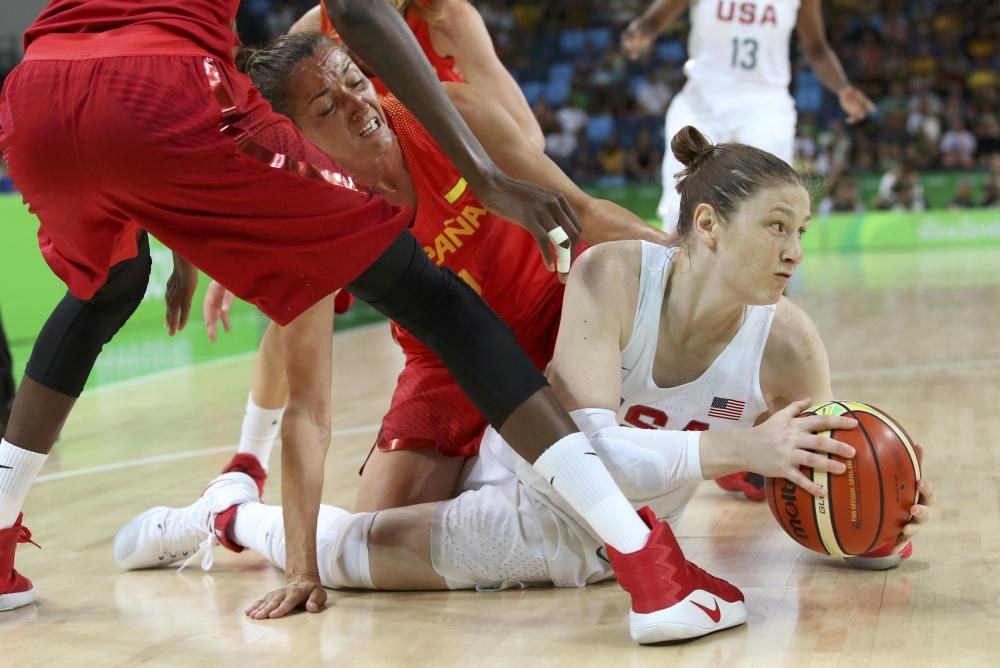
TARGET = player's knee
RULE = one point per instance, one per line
(343, 546)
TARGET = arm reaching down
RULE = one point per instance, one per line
(826, 65)
(377, 33)
(306, 346)
(601, 220)
(462, 34)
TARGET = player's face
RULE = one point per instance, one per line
(337, 108)
(761, 247)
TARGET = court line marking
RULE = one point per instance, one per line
(174, 456)
(189, 454)
(166, 373)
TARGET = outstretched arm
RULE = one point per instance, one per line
(826, 65)
(514, 153)
(644, 29)
(306, 346)
(379, 35)
(463, 36)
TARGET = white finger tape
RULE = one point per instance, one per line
(560, 240)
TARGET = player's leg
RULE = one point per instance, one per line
(482, 354)
(264, 409)
(766, 121)
(681, 112)
(6, 380)
(428, 431)
(62, 358)
(392, 478)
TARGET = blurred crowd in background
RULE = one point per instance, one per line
(931, 66)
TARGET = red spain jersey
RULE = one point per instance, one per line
(444, 66)
(206, 24)
(498, 259)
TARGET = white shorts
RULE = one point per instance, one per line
(502, 532)
(758, 116)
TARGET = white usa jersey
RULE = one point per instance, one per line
(726, 396)
(741, 42)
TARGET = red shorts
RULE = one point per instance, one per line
(102, 142)
(430, 411)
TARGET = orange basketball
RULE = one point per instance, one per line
(866, 506)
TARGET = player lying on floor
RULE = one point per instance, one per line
(650, 337)
(430, 426)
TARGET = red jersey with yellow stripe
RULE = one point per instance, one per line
(444, 66)
(501, 261)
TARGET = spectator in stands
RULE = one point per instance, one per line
(654, 93)
(958, 146)
(900, 189)
(642, 161)
(991, 189)
(6, 184)
(611, 157)
(842, 196)
(963, 196)
(987, 139)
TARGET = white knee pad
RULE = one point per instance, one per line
(342, 547)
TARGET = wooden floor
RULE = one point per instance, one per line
(916, 334)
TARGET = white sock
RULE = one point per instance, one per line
(260, 429)
(18, 470)
(341, 542)
(575, 471)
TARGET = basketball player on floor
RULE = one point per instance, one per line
(649, 336)
(168, 139)
(430, 426)
(455, 40)
(738, 73)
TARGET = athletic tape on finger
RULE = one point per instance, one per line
(560, 240)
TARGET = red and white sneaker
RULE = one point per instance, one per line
(161, 536)
(881, 559)
(672, 599)
(244, 462)
(15, 589)
(750, 484)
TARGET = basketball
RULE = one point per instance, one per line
(866, 506)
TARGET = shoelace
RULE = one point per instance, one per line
(24, 536)
(177, 543)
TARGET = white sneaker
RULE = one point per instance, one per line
(161, 536)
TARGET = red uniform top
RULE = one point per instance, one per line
(444, 66)
(498, 259)
(206, 24)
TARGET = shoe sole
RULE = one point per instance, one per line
(16, 600)
(874, 563)
(685, 620)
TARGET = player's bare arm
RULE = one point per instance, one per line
(379, 35)
(596, 322)
(462, 34)
(644, 29)
(795, 364)
(307, 348)
(311, 21)
(506, 144)
(826, 65)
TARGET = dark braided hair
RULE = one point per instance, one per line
(722, 175)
